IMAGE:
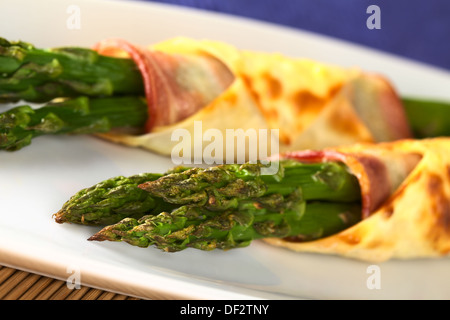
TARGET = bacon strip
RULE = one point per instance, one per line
(379, 175)
(176, 86)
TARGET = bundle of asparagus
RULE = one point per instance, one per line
(84, 93)
(96, 94)
(225, 206)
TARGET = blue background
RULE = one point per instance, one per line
(416, 29)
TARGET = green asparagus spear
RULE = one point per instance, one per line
(109, 201)
(113, 199)
(83, 115)
(197, 227)
(428, 118)
(19, 125)
(39, 75)
(219, 187)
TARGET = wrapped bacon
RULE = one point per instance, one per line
(405, 189)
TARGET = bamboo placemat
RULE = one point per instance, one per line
(21, 285)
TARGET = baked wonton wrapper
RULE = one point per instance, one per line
(405, 189)
(312, 105)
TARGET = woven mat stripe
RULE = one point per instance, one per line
(21, 285)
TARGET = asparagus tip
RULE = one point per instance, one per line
(98, 237)
(59, 217)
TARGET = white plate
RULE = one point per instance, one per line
(37, 180)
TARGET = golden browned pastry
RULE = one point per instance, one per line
(308, 104)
